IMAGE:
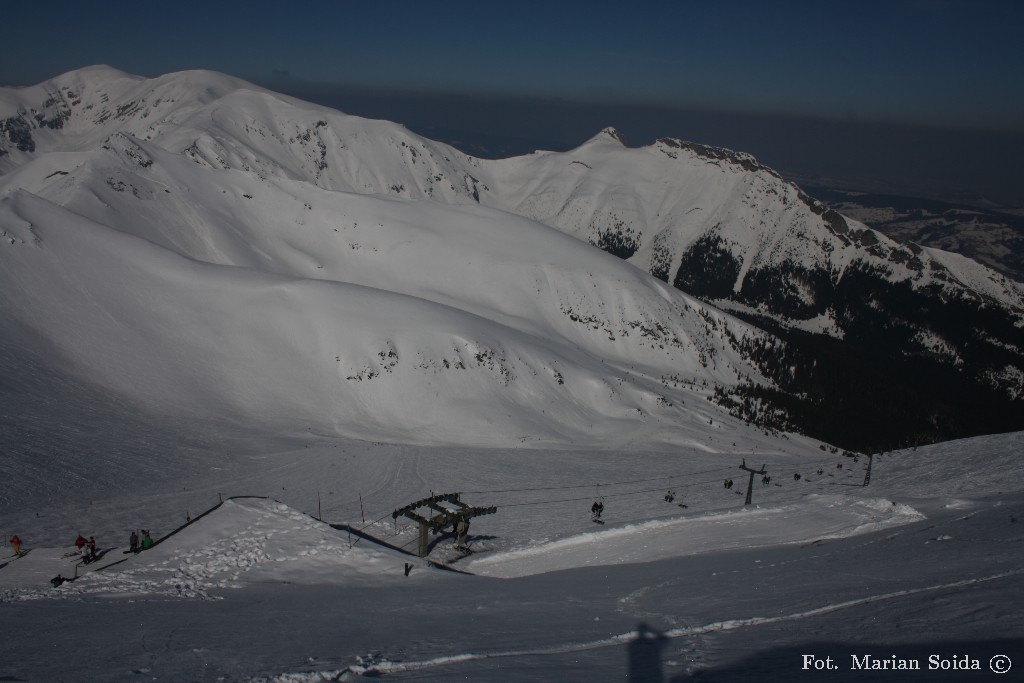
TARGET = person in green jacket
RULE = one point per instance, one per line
(147, 541)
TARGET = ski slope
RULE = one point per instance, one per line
(813, 518)
(261, 590)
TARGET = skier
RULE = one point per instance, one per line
(92, 548)
(16, 544)
(133, 542)
(596, 509)
(147, 541)
(80, 542)
(670, 496)
(57, 580)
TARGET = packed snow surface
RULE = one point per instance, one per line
(260, 589)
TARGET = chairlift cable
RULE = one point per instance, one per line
(606, 495)
(615, 483)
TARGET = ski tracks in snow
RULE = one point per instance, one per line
(378, 666)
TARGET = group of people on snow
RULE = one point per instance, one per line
(670, 497)
(140, 540)
(87, 548)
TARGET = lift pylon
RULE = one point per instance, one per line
(750, 484)
(444, 517)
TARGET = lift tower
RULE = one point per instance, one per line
(750, 484)
(444, 516)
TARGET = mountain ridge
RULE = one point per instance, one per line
(263, 181)
(204, 287)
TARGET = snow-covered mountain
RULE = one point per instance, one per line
(237, 248)
(224, 312)
(649, 205)
(182, 243)
(871, 325)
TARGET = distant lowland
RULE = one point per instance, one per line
(992, 236)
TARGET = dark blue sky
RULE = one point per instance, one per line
(947, 63)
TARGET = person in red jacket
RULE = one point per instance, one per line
(80, 542)
(16, 544)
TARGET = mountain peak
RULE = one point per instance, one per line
(608, 134)
(100, 70)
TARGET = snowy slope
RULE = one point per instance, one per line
(925, 561)
(246, 541)
(321, 319)
(198, 287)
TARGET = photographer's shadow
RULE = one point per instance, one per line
(644, 653)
